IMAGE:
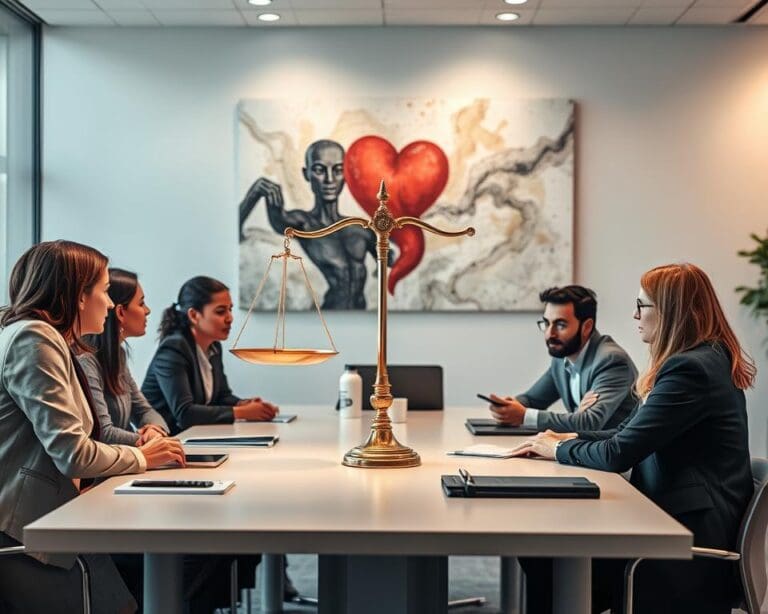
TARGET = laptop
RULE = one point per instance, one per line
(489, 426)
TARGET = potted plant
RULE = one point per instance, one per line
(757, 298)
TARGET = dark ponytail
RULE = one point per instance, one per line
(195, 294)
(122, 288)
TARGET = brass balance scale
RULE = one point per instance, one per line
(381, 449)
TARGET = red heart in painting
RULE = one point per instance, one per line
(415, 177)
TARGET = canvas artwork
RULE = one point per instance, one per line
(504, 167)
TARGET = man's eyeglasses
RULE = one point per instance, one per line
(640, 305)
(544, 324)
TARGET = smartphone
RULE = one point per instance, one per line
(485, 398)
(199, 460)
(284, 418)
(205, 460)
(172, 483)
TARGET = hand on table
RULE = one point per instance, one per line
(508, 411)
(163, 451)
(255, 410)
(542, 445)
(149, 432)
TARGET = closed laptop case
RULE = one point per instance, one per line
(486, 426)
(521, 487)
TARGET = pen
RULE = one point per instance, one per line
(469, 482)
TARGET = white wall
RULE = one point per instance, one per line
(672, 149)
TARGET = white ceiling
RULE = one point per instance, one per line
(392, 12)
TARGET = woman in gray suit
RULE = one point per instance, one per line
(49, 438)
(119, 402)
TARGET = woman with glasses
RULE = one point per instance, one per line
(686, 442)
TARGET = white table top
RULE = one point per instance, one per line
(298, 497)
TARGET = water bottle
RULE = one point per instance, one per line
(350, 394)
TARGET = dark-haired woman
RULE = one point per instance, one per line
(185, 381)
(49, 439)
(119, 402)
(686, 443)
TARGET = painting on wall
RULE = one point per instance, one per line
(504, 167)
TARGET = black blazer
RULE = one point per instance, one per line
(687, 446)
(174, 387)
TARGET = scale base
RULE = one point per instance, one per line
(382, 451)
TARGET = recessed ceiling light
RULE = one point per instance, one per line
(515, 1)
(268, 17)
(507, 16)
(259, 2)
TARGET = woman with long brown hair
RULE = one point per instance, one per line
(120, 405)
(686, 442)
(49, 439)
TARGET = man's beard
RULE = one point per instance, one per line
(568, 348)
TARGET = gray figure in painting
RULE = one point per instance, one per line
(341, 256)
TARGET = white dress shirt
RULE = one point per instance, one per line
(531, 418)
(206, 372)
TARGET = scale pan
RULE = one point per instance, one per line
(280, 356)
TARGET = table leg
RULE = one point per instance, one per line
(163, 583)
(383, 584)
(511, 586)
(271, 583)
(572, 579)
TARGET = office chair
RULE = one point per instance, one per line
(84, 574)
(750, 544)
(422, 385)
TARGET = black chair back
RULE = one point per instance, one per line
(751, 544)
(422, 385)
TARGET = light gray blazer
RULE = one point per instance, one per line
(116, 413)
(606, 369)
(45, 426)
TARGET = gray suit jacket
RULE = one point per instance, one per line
(116, 413)
(606, 369)
(45, 426)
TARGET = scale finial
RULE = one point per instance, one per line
(382, 195)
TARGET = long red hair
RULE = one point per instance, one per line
(689, 314)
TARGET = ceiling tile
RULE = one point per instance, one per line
(573, 17)
(199, 18)
(331, 17)
(59, 4)
(133, 18)
(189, 5)
(709, 16)
(75, 17)
(287, 18)
(590, 4)
(684, 4)
(333, 4)
(744, 5)
(500, 5)
(488, 16)
(120, 5)
(431, 17)
(415, 5)
(656, 16)
(761, 18)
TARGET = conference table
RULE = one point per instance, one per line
(383, 535)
